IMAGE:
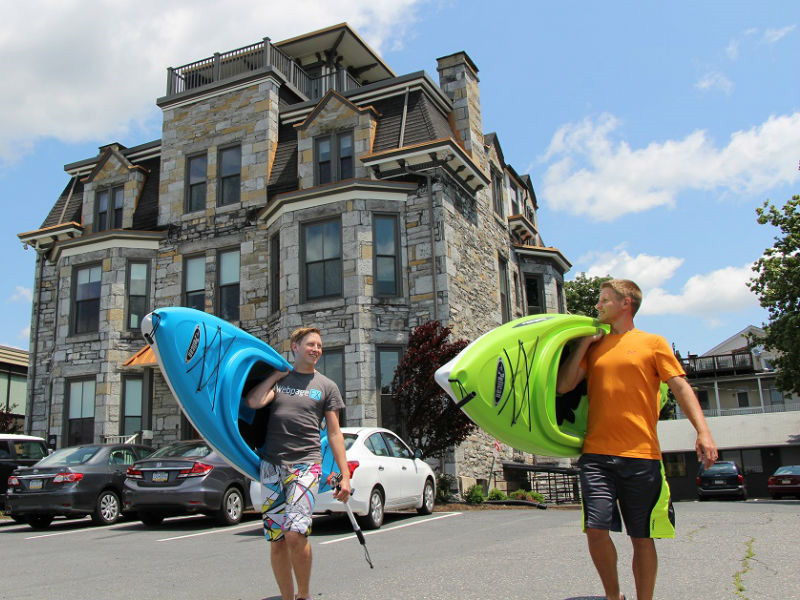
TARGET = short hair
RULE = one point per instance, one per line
(301, 332)
(625, 288)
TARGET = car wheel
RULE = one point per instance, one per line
(39, 521)
(374, 518)
(106, 509)
(151, 519)
(230, 513)
(427, 498)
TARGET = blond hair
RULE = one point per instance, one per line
(301, 332)
(625, 288)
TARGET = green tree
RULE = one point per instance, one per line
(582, 293)
(7, 422)
(777, 284)
(430, 419)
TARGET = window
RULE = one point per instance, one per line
(376, 444)
(514, 199)
(388, 357)
(334, 158)
(86, 309)
(109, 204)
(702, 398)
(322, 245)
(194, 282)
(398, 448)
(275, 272)
(387, 256)
(228, 271)
(196, 169)
(13, 392)
(138, 286)
(741, 398)
(131, 405)
(505, 304)
(534, 288)
(80, 414)
(497, 192)
(229, 167)
(331, 364)
(674, 465)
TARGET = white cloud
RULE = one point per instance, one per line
(714, 81)
(771, 36)
(21, 294)
(593, 173)
(707, 295)
(78, 73)
(646, 270)
(25, 334)
(732, 50)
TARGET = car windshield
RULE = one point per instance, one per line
(67, 457)
(349, 440)
(183, 450)
(720, 468)
(790, 470)
(30, 449)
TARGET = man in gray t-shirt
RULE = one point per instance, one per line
(290, 468)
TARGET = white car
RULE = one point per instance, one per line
(386, 476)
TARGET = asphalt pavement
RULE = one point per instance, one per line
(724, 550)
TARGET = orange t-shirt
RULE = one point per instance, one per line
(623, 374)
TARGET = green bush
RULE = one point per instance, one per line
(475, 495)
(444, 485)
(495, 494)
(527, 495)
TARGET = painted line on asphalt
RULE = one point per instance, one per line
(88, 528)
(212, 531)
(388, 529)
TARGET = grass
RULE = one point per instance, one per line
(737, 577)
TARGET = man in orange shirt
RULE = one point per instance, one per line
(621, 461)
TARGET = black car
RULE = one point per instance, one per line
(73, 482)
(185, 477)
(723, 479)
(17, 451)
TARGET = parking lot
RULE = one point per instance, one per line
(723, 550)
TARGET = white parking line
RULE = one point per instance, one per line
(212, 531)
(388, 529)
(89, 528)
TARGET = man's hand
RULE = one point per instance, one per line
(342, 491)
(706, 449)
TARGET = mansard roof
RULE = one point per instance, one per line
(424, 122)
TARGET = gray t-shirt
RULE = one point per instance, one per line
(300, 403)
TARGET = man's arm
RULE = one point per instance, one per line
(263, 393)
(336, 442)
(705, 447)
(571, 373)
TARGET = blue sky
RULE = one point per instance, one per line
(651, 131)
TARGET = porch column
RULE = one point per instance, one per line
(716, 396)
(760, 393)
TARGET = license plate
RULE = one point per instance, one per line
(160, 476)
(786, 481)
(719, 482)
(36, 484)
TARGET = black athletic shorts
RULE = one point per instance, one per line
(635, 487)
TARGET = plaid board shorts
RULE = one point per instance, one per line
(287, 502)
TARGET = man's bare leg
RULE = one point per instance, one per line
(604, 557)
(645, 567)
(300, 551)
(281, 562)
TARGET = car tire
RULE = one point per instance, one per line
(151, 519)
(232, 509)
(107, 508)
(374, 517)
(428, 498)
(39, 521)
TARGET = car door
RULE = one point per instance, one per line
(403, 463)
(389, 472)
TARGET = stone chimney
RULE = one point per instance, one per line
(458, 78)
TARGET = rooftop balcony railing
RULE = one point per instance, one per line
(223, 66)
(746, 410)
(719, 364)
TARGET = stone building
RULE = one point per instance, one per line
(299, 182)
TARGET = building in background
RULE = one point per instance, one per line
(753, 423)
(295, 183)
(13, 385)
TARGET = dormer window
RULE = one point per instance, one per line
(108, 211)
(334, 157)
(497, 192)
